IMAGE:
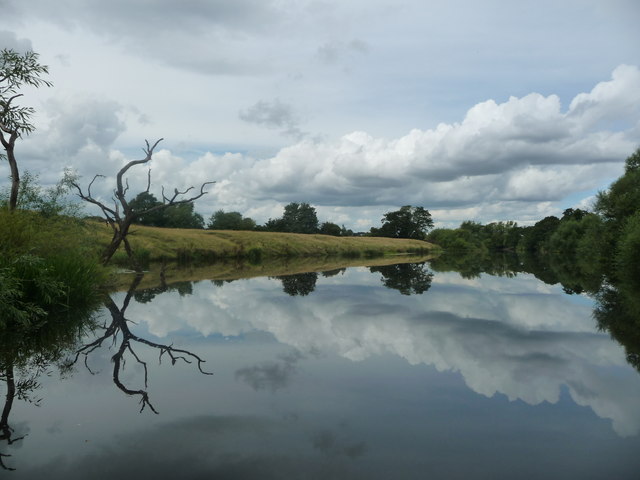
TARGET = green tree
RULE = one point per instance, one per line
(300, 218)
(297, 218)
(408, 222)
(182, 215)
(622, 200)
(536, 238)
(329, 228)
(16, 71)
(146, 202)
(222, 220)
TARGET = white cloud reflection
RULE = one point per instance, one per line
(500, 336)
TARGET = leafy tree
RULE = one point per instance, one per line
(182, 215)
(143, 202)
(536, 238)
(297, 218)
(408, 222)
(17, 70)
(300, 218)
(622, 200)
(222, 220)
(328, 228)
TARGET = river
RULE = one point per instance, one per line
(374, 373)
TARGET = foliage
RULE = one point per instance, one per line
(627, 258)
(536, 238)
(329, 228)
(297, 218)
(181, 215)
(222, 220)
(46, 269)
(16, 70)
(622, 199)
(408, 222)
(47, 202)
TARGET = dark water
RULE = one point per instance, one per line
(382, 373)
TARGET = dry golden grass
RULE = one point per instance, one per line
(168, 244)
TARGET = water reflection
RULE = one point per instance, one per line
(299, 284)
(407, 278)
(392, 372)
(126, 342)
(29, 352)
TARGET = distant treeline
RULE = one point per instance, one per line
(606, 240)
(407, 222)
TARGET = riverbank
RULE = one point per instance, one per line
(152, 244)
(159, 275)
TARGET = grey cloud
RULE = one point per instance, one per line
(276, 115)
(331, 53)
(164, 30)
(195, 448)
(271, 376)
(11, 41)
(330, 445)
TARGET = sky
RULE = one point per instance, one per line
(486, 111)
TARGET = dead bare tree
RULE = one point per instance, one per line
(120, 334)
(121, 215)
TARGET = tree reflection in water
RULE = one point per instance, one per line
(29, 351)
(301, 284)
(120, 335)
(407, 278)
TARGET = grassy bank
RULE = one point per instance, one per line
(181, 245)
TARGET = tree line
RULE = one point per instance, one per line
(407, 222)
(605, 240)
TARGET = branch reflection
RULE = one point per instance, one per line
(125, 341)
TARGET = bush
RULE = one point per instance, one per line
(627, 261)
(47, 270)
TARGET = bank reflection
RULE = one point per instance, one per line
(30, 352)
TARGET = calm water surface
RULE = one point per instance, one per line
(356, 373)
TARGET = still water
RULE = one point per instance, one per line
(358, 373)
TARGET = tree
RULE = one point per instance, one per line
(297, 218)
(182, 216)
(17, 70)
(408, 222)
(300, 218)
(536, 238)
(122, 215)
(328, 228)
(622, 200)
(222, 220)
(146, 201)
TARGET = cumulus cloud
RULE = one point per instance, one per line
(503, 161)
